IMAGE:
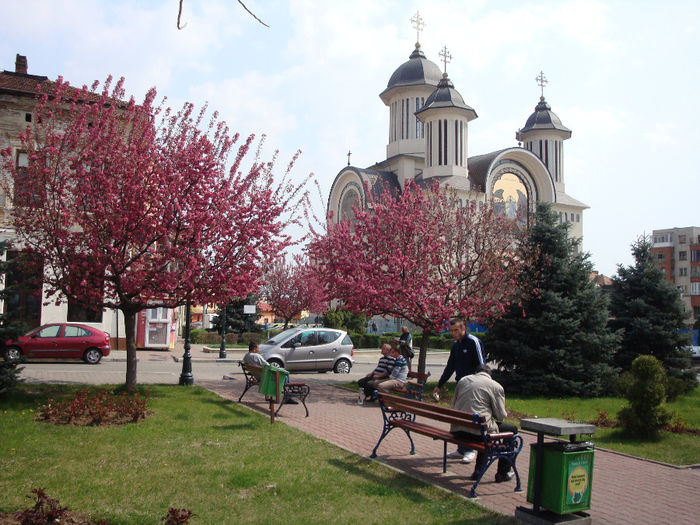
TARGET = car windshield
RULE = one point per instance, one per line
(35, 329)
(281, 336)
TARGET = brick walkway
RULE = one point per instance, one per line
(626, 490)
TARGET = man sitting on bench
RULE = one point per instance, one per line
(398, 375)
(379, 374)
(478, 393)
(254, 358)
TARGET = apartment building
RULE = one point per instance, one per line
(677, 252)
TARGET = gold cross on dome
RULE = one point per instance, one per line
(542, 82)
(349, 153)
(446, 57)
(418, 25)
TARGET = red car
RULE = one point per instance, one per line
(60, 340)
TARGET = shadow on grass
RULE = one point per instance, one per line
(409, 488)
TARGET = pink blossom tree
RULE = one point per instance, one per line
(291, 288)
(134, 206)
(421, 257)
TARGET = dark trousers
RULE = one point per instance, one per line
(368, 385)
(503, 464)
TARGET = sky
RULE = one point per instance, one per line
(622, 75)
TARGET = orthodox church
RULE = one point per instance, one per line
(429, 140)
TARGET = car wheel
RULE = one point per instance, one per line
(342, 367)
(92, 356)
(13, 354)
(275, 362)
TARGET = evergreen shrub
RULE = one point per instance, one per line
(645, 416)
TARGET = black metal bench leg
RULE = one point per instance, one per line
(444, 457)
(247, 387)
(303, 402)
(385, 433)
(413, 447)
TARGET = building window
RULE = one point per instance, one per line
(682, 272)
(695, 288)
(683, 256)
(77, 313)
(695, 271)
(660, 256)
(681, 239)
(695, 255)
(439, 143)
(444, 145)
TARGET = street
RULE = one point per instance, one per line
(165, 367)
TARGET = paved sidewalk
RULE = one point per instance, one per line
(626, 490)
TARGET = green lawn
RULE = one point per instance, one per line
(222, 461)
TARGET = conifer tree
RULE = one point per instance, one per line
(554, 341)
(648, 310)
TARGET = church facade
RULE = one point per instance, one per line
(429, 141)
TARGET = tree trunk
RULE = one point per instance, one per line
(422, 355)
(130, 329)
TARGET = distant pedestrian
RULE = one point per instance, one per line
(405, 341)
(374, 327)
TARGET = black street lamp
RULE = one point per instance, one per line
(222, 319)
(186, 377)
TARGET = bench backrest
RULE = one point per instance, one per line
(435, 412)
(254, 370)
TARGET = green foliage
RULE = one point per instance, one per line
(236, 320)
(645, 416)
(345, 320)
(648, 312)
(554, 341)
(9, 375)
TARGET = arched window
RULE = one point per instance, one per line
(349, 198)
(511, 197)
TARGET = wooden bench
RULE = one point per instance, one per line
(400, 412)
(298, 391)
(414, 386)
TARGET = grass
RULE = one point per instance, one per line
(676, 449)
(222, 461)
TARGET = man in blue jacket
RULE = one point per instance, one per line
(466, 355)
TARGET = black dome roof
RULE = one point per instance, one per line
(544, 118)
(446, 96)
(418, 70)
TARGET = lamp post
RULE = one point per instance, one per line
(222, 348)
(186, 375)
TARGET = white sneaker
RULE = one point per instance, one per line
(455, 455)
(468, 456)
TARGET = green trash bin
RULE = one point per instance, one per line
(567, 476)
(267, 380)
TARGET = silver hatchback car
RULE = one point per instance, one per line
(310, 349)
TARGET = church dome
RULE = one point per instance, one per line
(418, 70)
(446, 96)
(544, 118)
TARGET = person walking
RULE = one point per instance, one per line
(479, 394)
(466, 355)
(405, 342)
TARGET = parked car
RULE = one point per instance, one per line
(321, 349)
(695, 353)
(60, 340)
